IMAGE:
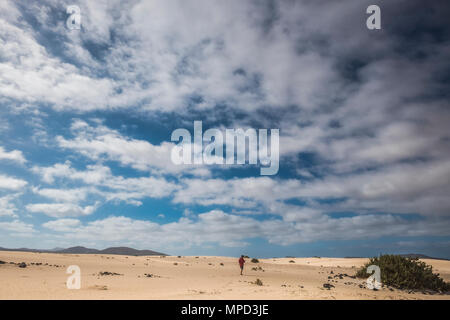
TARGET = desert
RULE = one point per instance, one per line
(34, 275)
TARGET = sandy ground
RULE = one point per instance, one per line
(191, 278)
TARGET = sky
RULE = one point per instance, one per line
(86, 118)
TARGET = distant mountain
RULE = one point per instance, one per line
(413, 256)
(20, 249)
(82, 250)
(78, 250)
(130, 252)
(417, 256)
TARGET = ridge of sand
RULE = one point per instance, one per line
(191, 278)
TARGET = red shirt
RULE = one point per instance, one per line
(241, 262)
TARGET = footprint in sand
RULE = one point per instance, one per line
(196, 291)
(98, 287)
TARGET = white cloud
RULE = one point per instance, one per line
(60, 210)
(420, 188)
(369, 114)
(171, 51)
(11, 183)
(94, 174)
(6, 207)
(36, 77)
(245, 192)
(407, 188)
(100, 142)
(62, 225)
(218, 227)
(17, 227)
(101, 182)
(15, 155)
(63, 195)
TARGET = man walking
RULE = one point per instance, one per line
(241, 263)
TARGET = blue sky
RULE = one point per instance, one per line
(86, 118)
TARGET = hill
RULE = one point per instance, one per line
(83, 250)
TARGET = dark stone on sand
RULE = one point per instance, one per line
(328, 286)
(107, 273)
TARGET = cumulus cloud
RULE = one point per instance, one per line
(101, 182)
(246, 192)
(17, 227)
(60, 210)
(218, 227)
(363, 115)
(94, 174)
(65, 195)
(10, 183)
(101, 142)
(14, 155)
(169, 53)
(62, 225)
(408, 188)
(7, 208)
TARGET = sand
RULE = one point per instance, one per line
(191, 278)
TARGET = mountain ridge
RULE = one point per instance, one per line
(125, 251)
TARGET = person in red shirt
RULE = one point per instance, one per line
(241, 263)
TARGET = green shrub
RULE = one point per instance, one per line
(254, 260)
(405, 273)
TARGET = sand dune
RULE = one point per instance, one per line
(155, 277)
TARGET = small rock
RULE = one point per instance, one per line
(107, 273)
